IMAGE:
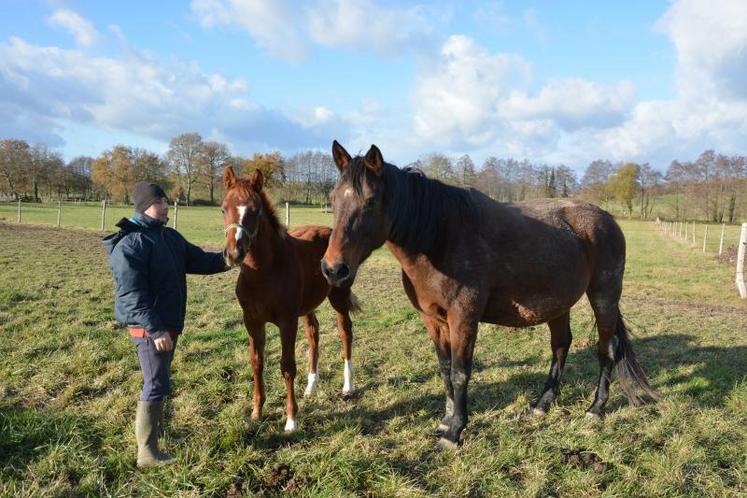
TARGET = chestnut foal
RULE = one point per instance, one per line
(280, 280)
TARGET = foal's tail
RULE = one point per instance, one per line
(353, 304)
(629, 371)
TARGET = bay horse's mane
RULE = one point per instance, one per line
(419, 207)
(245, 186)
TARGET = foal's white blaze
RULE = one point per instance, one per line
(347, 386)
(290, 425)
(311, 384)
(239, 231)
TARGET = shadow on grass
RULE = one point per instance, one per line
(715, 371)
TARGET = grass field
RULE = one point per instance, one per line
(69, 382)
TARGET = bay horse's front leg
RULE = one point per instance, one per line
(257, 358)
(340, 299)
(439, 333)
(462, 336)
(288, 330)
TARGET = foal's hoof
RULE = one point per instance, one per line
(256, 415)
(538, 412)
(447, 444)
(290, 425)
(346, 395)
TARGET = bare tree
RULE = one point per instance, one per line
(213, 159)
(184, 156)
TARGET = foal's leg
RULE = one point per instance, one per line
(257, 358)
(340, 301)
(462, 334)
(288, 330)
(311, 329)
(560, 341)
(439, 334)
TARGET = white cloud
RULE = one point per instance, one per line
(361, 24)
(289, 32)
(83, 31)
(51, 86)
(458, 99)
(573, 104)
(275, 26)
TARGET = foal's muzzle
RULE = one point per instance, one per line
(338, 274)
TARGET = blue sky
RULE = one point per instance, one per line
(556, 82)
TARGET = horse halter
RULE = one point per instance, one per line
(238, 226)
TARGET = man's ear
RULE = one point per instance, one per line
(257, 180)
(229, 178)
(374, 160)
(341, 156)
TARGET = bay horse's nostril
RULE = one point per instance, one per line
(342, 271)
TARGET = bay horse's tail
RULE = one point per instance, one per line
(353, 303)
(629, 371)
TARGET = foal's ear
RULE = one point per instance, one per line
(341, 156)
(257, 180)
(229, 178)
(374, 160)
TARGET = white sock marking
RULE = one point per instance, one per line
(347, 386)
(311, 384)
(290, 425)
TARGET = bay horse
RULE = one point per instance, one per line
(280, 281)
(466, 259)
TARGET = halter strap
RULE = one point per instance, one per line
(238, 226)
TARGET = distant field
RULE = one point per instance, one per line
(69, 382)
(203, 224)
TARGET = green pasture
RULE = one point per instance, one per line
(69, 382)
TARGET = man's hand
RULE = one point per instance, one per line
(164, 343)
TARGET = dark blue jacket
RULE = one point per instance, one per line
(149, 262)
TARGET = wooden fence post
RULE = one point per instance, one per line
(59, 211)
(721, 244)
(19, 210)
(176, 213)
(693, 231)
(705, 238)
(287, 214)
(103, 214)
(740, 262)
(687, 237)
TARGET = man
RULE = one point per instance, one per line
(149, 263)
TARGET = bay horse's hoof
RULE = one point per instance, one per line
(593, 416)
(447, 444)
(256, 415)
(441, 429)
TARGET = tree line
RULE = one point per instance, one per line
(713, 187)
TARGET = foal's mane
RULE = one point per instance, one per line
(422, 210)
(246, 188)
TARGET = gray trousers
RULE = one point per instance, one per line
(155, 367)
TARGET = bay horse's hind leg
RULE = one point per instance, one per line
(614, 350)
(311, 329)
(343, 301)
(439, 334)
(560, 341)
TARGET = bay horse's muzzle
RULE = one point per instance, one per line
(338, 274)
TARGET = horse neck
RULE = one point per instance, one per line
(417, 224)
(266, 247)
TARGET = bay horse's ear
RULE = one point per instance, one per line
(257, 180)
(374, 160)
(229, 178)
(341, 156)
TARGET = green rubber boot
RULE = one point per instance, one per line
(147, 422)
